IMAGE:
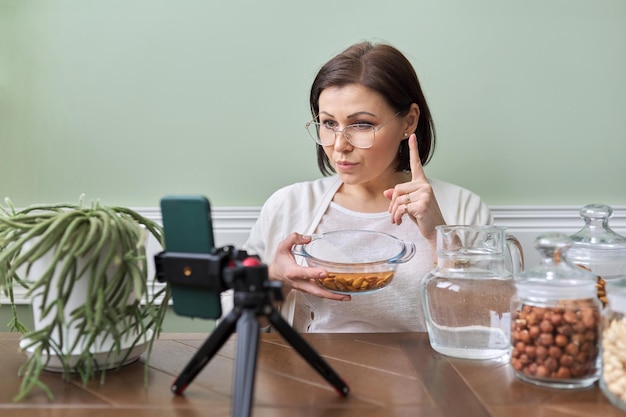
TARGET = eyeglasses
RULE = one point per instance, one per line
(359, 135)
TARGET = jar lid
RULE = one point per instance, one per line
(555, 277)
(596, 233)
(596, 246)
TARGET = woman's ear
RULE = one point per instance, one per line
(411, 118)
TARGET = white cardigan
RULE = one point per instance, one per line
(299, 208)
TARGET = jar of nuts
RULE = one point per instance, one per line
(597, 248)
(613, 376)
(555, 328)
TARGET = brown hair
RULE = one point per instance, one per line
(387, 71)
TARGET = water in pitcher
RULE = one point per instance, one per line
(469, 318)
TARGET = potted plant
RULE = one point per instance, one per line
(85, 268)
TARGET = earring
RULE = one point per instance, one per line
(406, 134)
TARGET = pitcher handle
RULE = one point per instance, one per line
(516, 253)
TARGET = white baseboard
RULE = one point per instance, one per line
(231, 226)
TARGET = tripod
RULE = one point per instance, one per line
(253, 296)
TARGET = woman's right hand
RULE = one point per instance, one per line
(293, 276)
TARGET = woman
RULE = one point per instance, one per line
(374, 133)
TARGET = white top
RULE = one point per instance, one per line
(306, 208)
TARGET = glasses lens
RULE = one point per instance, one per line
(360, 135)
(313, 130)
(320, 134)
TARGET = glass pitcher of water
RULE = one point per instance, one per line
(467, 297)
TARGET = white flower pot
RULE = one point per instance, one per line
(103, 349)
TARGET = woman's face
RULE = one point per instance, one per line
(351, 104)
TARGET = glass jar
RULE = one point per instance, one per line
(555, 330)
(613, 376)
(598, 248)
(467, 297)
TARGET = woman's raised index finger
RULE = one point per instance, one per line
(417, 170)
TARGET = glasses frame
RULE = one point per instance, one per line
(318, 125)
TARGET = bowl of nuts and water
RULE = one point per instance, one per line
(357, 261)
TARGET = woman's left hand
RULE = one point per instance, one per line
(416, 198)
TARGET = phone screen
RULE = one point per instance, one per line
(188, 228)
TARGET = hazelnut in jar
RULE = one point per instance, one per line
(613, 346)
(556, 320)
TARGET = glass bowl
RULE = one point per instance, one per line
(357, 261)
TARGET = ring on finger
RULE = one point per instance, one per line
(406, 209)
(407, 199)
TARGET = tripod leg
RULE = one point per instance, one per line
(245, 363)
(209, 348)
(308, 353)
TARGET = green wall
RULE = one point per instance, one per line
(128, 100)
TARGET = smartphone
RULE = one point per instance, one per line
(188, 228)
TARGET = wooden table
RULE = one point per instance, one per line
(392, 374)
